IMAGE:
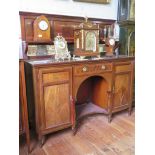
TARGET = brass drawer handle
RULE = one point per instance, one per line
(84, 69)
(103, 67)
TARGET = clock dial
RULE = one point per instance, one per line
(111, 41)
(91, 41)
(61, 45)
(86, 39)
(41, 28)
(43, 25)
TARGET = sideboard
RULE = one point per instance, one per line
(65, 91)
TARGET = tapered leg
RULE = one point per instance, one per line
(110, 105)
(130, 110)
(109, 118)
(41, 140)
(73, 121)
(74, 128)
(28, 140)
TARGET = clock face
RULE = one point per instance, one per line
(43, 25)
(61, 45)
(111, 42)
(90, 41)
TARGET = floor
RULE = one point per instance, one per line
(95, 136)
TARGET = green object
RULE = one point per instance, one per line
(127, 38)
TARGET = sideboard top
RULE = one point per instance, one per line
(44, 62)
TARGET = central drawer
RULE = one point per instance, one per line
(92, 68)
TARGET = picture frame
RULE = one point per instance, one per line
(95, 1)
(40, 50)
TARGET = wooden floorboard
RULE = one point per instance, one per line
(95, 136)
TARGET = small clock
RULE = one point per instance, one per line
(111, 42)
(61, 49)
(41, 27)
(62, 45)
(109, 46)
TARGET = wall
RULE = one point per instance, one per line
(72, 8)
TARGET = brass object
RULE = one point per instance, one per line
(103, 67)
(61, 48)
(84, 69)
(86, 39)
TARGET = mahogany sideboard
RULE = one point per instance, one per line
(65, 91)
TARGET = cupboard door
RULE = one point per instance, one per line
(122, 86)
(55, 98)
(57, 105)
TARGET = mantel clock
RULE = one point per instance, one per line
(86, 39)
(109, 46)
(41, 27)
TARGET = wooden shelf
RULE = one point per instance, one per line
(88, 109)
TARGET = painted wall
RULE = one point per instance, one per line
(70, 7)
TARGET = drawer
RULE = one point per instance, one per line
(55, 77)
(123, 67)
(92, 68)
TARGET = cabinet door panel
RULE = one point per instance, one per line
(57, 105)
(122, 90)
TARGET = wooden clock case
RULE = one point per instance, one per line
(109, 48)
(39, 34)
(87, 34)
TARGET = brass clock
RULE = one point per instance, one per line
(61, 48)
(86, 39)
(41, 29)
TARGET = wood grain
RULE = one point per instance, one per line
(121, 94)
(57, 110)
(55, 77)
(59, 87)
(63, 25)
(23, 110)
(95, 137)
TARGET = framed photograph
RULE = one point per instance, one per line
(95, 1)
